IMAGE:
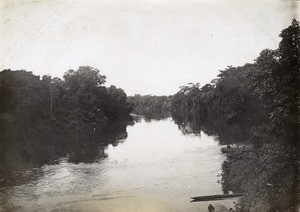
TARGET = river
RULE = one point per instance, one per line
(156, 167)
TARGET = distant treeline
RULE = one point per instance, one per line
(46, 111)
(151, 105)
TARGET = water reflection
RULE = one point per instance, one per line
(78, 146)
(148, 166)
(153, 115)
(227, 134)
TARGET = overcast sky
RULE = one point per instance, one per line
(142, 46)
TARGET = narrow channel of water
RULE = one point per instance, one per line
(156, 168)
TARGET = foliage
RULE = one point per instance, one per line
(38, 112)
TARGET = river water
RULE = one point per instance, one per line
(156, 167)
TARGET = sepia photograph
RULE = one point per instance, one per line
(149, 106)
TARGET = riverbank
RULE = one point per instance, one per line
(267, 175)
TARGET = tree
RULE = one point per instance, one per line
(278, 79)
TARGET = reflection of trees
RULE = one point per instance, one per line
(86, 152)
(149, 116)
(46, 147)
(226, 133)
(115, 132)
(137, 118)
(78, 146)
(155, 115)
(187, 124)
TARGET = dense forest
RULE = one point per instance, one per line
(41, 117)
(259, 102)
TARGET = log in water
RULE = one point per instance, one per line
(215, 197)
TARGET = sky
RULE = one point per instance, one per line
(142, 46)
